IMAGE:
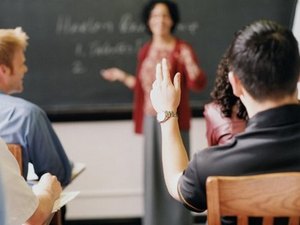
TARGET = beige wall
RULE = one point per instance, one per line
(112, 184)
(296, 24)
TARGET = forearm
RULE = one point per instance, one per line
(195, 74)
(175, 158)
(197, 81)
(193, 70)
(47, 190)
(44, 209)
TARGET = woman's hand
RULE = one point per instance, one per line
(114, 74)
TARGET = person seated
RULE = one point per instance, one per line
(25, 204)
(226, 115)
(264, 65)
(22, 122)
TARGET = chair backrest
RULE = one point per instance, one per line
(267, 196)
(16, 150)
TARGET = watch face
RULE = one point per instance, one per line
(161, 116)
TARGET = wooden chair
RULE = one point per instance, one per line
(16, 150)
(267, 196)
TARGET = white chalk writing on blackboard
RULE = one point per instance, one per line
(128, 25)
(190, 28)
(104, 48)
(90, 47)
(78, 67)
(66, 25)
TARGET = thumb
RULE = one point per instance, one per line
(177, 81)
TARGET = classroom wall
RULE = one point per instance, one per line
(296, 24)
(112, 184)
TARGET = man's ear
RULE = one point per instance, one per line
(4, 69)
(236, 84)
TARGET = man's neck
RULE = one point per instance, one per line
(3, 89)
(253, 107)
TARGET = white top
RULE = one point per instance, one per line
(20, 201)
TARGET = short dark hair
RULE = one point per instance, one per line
(265, 57)
(173, 9)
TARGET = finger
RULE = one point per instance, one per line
(177, 81)
(102, 72)
(165, 71)
(158, 72)
(154, 84)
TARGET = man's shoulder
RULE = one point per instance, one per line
(212, 154)
(19, 105)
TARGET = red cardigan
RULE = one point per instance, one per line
(184, 111)
(221, 129)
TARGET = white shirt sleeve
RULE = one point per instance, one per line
(20, 201)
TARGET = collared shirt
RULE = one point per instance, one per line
(270, 143)
(24, 123)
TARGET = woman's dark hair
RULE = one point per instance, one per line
(222, 92)
(173, 9)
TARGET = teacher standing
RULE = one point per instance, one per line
(160, 18)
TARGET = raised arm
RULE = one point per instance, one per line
(165, 96)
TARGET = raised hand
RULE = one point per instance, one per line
(165, 95)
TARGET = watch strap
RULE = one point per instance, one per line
(168, 115)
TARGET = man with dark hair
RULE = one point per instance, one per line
(264, 70)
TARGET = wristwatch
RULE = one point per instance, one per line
(165, 115)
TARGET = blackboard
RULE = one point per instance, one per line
(71, 40)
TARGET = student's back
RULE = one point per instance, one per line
(270, 143)
(24, 123)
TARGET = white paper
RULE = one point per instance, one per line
(64, 198)
(78, 168)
